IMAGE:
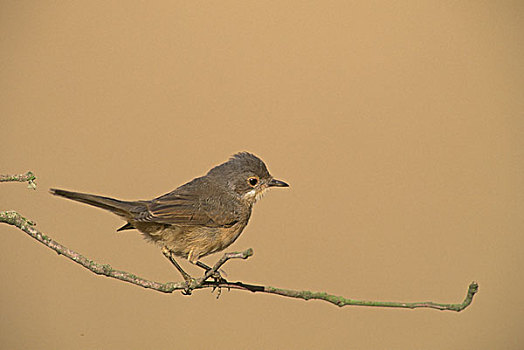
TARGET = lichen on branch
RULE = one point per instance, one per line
(28, 177)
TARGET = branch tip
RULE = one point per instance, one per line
(248, 252)
(28, 177)
(473, 288)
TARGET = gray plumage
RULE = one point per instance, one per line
(203, 216)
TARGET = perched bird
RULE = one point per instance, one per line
(204, 216)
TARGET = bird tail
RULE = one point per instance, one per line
(120, 208)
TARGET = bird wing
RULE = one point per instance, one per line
(194, 203)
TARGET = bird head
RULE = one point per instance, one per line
(246, 175)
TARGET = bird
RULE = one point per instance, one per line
(204, 216)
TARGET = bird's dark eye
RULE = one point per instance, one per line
(252, 181)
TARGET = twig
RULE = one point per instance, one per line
(28, 177)
(227, 256)
(15, 219)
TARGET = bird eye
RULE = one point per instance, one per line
(252, 181)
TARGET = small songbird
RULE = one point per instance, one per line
(202, 217)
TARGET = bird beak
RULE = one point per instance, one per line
(277, 183)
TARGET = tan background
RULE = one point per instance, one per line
(399, 128)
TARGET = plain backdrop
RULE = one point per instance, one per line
(399, 126)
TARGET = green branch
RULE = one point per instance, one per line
(15, 219)
(28, 177)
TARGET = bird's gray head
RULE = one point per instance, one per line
(246, 175)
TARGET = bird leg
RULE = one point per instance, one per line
(202, 265)
(190, 281)
(193, 256)
(169, 255)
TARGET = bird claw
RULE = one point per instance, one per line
(190, 285)
(219, 291)
(217, 279)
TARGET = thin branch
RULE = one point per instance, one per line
(227, 256)
(28, 177)
(15, 219)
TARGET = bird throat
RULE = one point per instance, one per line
(254, 195)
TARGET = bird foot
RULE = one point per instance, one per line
(191, 284)
(217, 278)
